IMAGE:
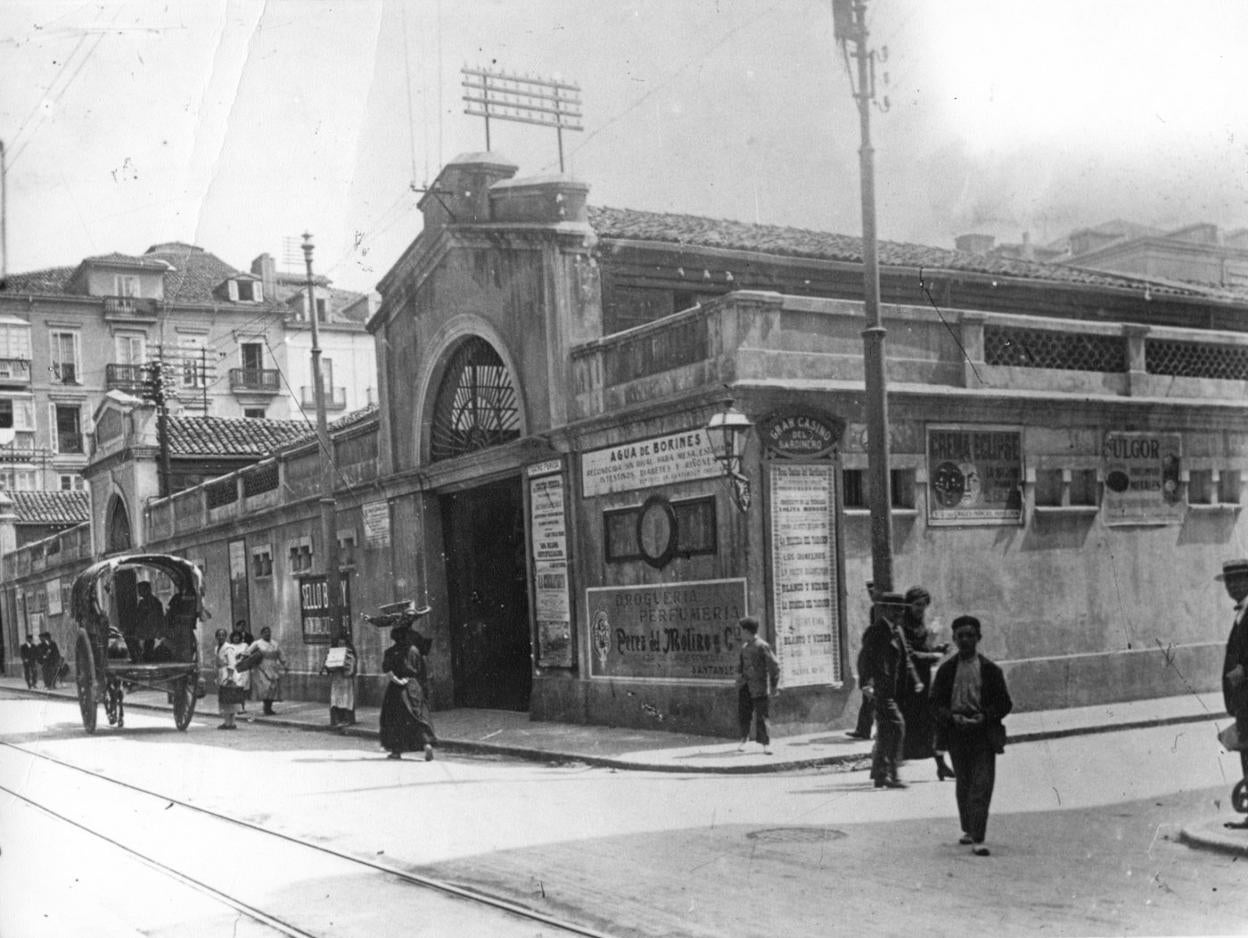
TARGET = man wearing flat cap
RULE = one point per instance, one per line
(886, 670)
(1235, 664)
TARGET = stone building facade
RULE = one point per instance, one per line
(1068, 455)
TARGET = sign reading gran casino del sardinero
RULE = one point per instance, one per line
(666, 631)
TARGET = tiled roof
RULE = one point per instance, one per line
(60, 508)
(697, 231)
(49, 280)
(243, 436)
(196, 273)
(231, 436)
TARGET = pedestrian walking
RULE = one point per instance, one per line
(242, 676)
(48, 655)
(1234, 577)
(917, 626)
(866, 710)
(971, 702)
(229, 693)
(406, 724)
(30, 664)
(342, 685)
(758, 680)
(266, 677)
(888, 668)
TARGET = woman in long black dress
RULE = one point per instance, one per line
(406, 725)
(916, 705)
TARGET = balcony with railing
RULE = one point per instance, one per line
(14, 372)
(128, 378)
(256, 380)
(335, 398)
(129, 307)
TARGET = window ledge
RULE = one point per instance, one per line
(1220, 506)
(896, 512)
(1066, 509)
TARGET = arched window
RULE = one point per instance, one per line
(475, 407)
(118, 526)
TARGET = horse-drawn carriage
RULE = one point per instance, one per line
(129, 637)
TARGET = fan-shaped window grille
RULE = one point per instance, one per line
(476, 404)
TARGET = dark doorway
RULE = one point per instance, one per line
(491, 651)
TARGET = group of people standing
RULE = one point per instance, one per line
(259, 678)
(918, 715)
(41, 659)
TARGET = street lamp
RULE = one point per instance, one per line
(727, 432)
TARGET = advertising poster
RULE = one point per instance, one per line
(1141, 472)
(314, 607)
(804, 586)
(974, 475)
(552, 602)
(376, 517)
(666, 631)
(653, 463)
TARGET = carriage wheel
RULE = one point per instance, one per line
(1239, 796)
(114, 695)
(183, 702)
(84, 676)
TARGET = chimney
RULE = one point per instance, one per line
(264, 268)
(461, 193)
(974, 243)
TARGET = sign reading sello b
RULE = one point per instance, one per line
(666, 631)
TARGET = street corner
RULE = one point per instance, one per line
(1227, 833)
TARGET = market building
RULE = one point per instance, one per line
(1068, 450)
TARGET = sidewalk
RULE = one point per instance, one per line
(506, 733)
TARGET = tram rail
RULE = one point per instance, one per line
(474, 897)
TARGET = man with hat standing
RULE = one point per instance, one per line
(886, 669)
(1235, 665)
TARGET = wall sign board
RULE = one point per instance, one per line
(975, 474)
(653, 463)
(666, 631)
(1141, 473)
(549, 546)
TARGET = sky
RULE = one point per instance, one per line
(237, 125)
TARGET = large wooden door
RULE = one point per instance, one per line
(491, 647)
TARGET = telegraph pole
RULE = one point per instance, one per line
(329, 512)
(850, 23)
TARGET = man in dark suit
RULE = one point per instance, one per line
(886, 669)
(1235, 663)
(30, 667)
(971, 700)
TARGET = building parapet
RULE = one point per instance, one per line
(751, 335)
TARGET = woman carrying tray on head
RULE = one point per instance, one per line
(406, 725)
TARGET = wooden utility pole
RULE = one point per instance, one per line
(329, 511)
(850, 23)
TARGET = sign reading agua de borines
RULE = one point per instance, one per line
(653, 463)
(666, 631)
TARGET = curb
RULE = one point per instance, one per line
(842, 762)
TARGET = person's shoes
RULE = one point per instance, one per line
(854, 734)
(879, 782)
(894, 783)
(965, 840)
(428, 753)
(395, 755)
(943, 771)
(224, 726)
(766, 750)
(980, 850)
(741, 748)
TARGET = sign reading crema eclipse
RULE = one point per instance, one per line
(652, 463)
(975, 474)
